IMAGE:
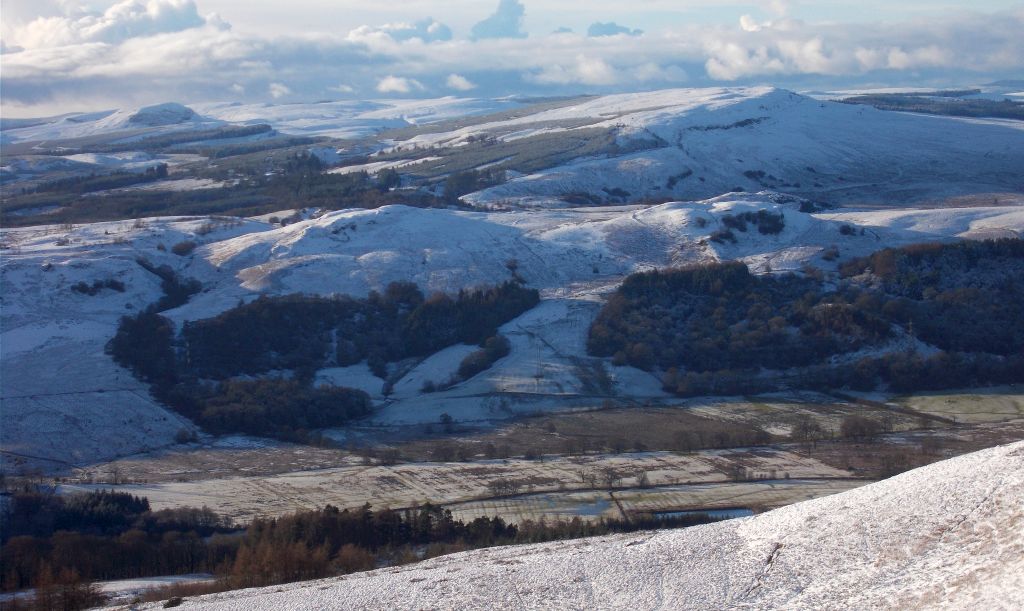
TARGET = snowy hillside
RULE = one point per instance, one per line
(169, 117)
(945, 536)
(574, 256)
(57, 380)
(699, 143)
(685, 144)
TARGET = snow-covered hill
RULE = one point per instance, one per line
(700, 143)
(945, 536)
(686, 144)
(334, 119)
(57, 377)
(166, 117)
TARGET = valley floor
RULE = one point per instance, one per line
(946, 536)
(244, 478)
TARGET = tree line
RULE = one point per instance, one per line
(113, 535)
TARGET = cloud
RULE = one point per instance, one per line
(278, 90)
(506, 22)
(122, 21)
(5, 48)
(779, 7)
(459, 83)
(972, 43)
(749, 24)
(398, 84)
(427, 30)
(211, 62)
(610, 29)
(584, 70)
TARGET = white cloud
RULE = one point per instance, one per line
(427, 30)
(779, 7)
(610, 29)
(506, 22)
(123, 21)
(398, 84)
(459, 83)
(279, 90)
(583, 70)
(749, 24)
(161, 56)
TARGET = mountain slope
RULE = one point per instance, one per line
(696, 144)
(946, 536)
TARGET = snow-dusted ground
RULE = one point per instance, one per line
(57, 382)
(57, 377)
(945, 536)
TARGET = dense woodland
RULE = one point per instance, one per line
(717, 329)
(193, 373)
(106, 535)
(114, 535)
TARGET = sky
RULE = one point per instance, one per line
(71, 55)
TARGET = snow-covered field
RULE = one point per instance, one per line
(945, 536)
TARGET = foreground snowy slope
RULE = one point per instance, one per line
(946, 536)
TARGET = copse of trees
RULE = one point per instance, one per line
(105, 535)
(766, 222)
(97, 286)
(268, 407)
(716, 329)
(714, 317)
(962, 297)
(193, 373)
(494, 348)
(461, 183)
(296, 332)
